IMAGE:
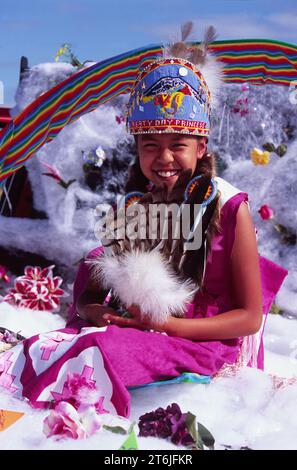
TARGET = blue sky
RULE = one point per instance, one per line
(99, 29)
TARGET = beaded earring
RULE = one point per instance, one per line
(135, 196)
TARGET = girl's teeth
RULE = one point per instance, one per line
(166, 174)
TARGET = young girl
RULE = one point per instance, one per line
(169, 115)
(162, 157)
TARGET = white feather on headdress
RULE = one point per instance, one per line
(199, 55)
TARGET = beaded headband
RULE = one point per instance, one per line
(175, 93)
(169, 96)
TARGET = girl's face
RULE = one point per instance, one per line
(163, 156)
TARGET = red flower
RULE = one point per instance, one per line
(120, 119)
(37, 289)
(3, 274)
(266, 212)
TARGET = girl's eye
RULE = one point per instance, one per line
(179, 145)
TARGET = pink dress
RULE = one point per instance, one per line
(115, 358)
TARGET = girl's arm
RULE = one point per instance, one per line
(246, 319)
(89, 305)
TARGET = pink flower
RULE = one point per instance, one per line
(3, 274)
(54, 292)
(36, 273)
(120, 119)
(241, 106)
(37, 289)
(53, 172)
(81, 392)
(66, 421)
(266, 212)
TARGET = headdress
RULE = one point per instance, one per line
(175, 93)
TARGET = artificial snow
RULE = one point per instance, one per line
(241, 411)
(68, 233)
(28, 322)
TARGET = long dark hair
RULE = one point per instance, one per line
(194, 260)
(137, 181)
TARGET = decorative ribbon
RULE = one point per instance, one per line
(256, 61)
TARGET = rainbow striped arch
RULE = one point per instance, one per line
(257, 61)
(210, 193)
(132, 198)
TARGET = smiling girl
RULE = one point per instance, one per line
(222, 326)
(161, 159)
(164, 156)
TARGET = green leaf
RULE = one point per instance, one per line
(115, 429)
(69, 182)
(199, 443)
(130, 443)
(191, 425)
(275, 309)
(269, 146)
(206, 436)
(131, 428)
(65, 184)
(281, 150)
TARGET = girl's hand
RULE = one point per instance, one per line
(94, 313)
(135, 322)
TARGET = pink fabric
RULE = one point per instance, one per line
(272, 277)
(217, 296)
(127, 356)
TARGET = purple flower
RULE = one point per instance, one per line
(163, 423)
(174, 410)
(181, 435)
(9, 337)
(164, 428)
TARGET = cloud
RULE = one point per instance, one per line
(236, 26)
(285, 20)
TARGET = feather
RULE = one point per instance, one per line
(211, 68)
(213, 73)
(157, 291)
(197, 55)
(154, 270)
(194, 262)
(179, 48)
(199, 52)
(186, 30)
(179, 255)
(210, 36)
